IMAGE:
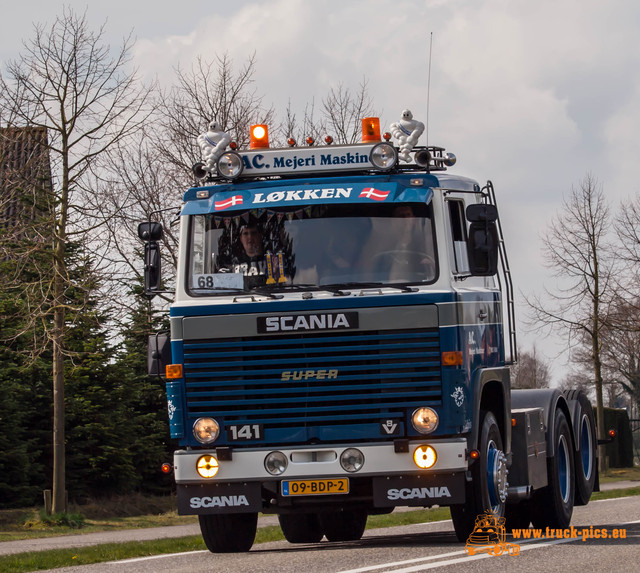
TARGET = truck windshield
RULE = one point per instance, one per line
(312, 247)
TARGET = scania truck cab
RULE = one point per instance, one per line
(340, 343)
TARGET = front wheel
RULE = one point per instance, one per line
(231, 533)
(487, 490)
(301, 528)
(344, 525)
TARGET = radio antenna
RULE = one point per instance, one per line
(429, 85)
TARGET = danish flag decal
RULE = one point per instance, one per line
(373, 193)
(230, 202)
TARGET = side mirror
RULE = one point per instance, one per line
(158, 354)
(481, 212)
(150, 231)
(152, 264)
(482, 244)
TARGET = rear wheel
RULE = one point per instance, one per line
(488, 487)
(301, 528)
(344, 525)
(231, 533)
(585, 461)
(552, 506)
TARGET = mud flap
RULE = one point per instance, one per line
(200, 499)
(419, 491)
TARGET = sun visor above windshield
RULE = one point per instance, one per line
(236, 199)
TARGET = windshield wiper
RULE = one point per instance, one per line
(356, 285)
(306, 287)
(239, 291)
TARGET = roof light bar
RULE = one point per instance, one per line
(370, 129)
(259, 136)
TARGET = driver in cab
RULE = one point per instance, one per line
(249, 259)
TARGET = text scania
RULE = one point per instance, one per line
(307, 322)
(218, 501)
(418, 493)
(303, 195)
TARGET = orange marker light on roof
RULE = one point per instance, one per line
(370, 129)
(259, 136)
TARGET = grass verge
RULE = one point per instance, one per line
(613, 493)
(620, 474)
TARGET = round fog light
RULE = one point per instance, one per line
(207, 466)
(275, 463)
(352, 460)
(425, 420)
(424, 457)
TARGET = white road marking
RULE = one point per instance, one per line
(136, 559)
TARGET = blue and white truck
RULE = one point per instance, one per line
(358, 359)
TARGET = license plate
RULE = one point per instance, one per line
(315, 486)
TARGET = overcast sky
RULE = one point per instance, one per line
(532, 95)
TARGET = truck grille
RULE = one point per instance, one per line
(307, 381)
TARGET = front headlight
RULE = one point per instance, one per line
(425, 420)
(230, 165)
(206, 430)
(383, 156)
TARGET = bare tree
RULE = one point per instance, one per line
(621, 350)
(154, 172)
(577, 380)
(69, 82)
(209, 91)
(530, 371)
(310, 127)
(576, 250)
(344, 110)
(153, 190)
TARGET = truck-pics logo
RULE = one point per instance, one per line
(489, 536)
(324, 321)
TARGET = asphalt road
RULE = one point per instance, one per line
(419, 548)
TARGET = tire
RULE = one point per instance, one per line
(586, 458)
(487, 490)
(344, 525)
(552, 506)
(231, 533)
(301, 528)
(518, 516)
